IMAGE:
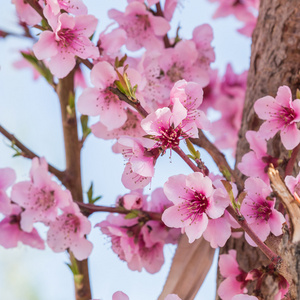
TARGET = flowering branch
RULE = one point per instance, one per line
(218, 158)
(35, 5)
(289, 202)
(29, 154)
(88, 209)
(273, 257)
(134, 103)
(186, 159)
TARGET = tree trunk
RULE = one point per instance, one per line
(275, 61)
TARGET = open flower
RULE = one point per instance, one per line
(194, 203)
(41, 197)
(259, 212)
(281, 114)
(69, 38)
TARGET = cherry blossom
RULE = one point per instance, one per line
(260, 212)
(140, 168)
(75, 7)
(194, 203)
(230, 102)
(281, 114)
(69, 38)
(7, 178)
(190, 95)
(11, 232)
(26, 13)
(293, 184)
(168, 127)
(256, 163)
(68, 230)
(119, 296)
(141, 26)
(131, 127)
(235, 278)
(41, 197)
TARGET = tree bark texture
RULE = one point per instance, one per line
(275, 61)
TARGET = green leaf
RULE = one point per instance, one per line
(228, 188)
(132, 214)
(39, 66)
(298, 94)
(225, 172)
(90, 195)
(84, 125)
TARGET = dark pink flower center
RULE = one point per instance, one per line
(287, 115)
(44, 199)
(144, 21)
(261, 210)
(69, 39)
(71, 223)
(175, 72)
(193, 207)
(170, 137)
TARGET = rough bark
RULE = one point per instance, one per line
(275, 61)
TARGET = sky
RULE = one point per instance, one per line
(30, 110)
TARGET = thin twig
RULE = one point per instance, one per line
(134, 103)
(160, 13)
(86, 62)
(186, 159)
(91, 208)
(29, 154)
(218, 157)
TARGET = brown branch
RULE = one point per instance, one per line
(65, 90)
(91, 208)
(86, 62)
(134, 103)
(218, 158)
(29, 154)
(289, 202)
(35, 5)
(160, 13)
(292, 160)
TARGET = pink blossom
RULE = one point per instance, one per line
(260, 212)
(281, 114)
(172, 297)
(75, 7)
(26, 13)
(244, 297)
(194, 203)
(11, 232)
(7, 178)
(119, 296)
(235, 279)
(141, 161)
(181, 62)
(293, 184)
(69, 38)
(190, 95)
(141, 26)
(229, 102)
(132, 127)
(167, 127)
(100, 101)
(256, 163)
(41, 197)
(132, 200)
(68, 230)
